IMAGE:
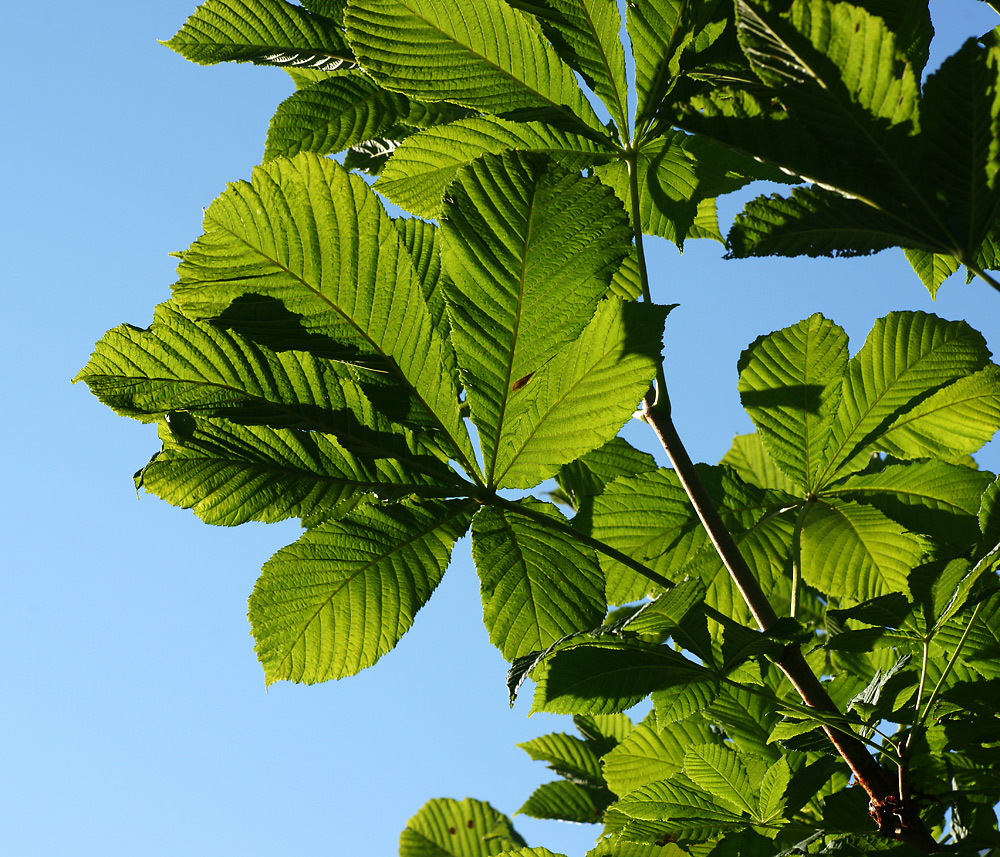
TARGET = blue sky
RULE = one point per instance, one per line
(134, 716)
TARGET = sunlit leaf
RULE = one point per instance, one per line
(854, 551)
(310, 235)
(229, 474)
(483, 55)
(525, 278)
(426, 163)
(585, 34)
(537, 585)
(451, 828)
(789, 385)
(340, 597)
(265, 32)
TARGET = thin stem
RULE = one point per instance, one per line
(632, 159)
(948, 667)
(985, 277)
(709, 516)
(793, 608)
(488, 498)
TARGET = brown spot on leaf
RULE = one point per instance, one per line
(452, 831)
(471, 824)
(520, 382)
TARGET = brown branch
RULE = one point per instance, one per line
(896, 817)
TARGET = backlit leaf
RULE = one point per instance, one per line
(340, 597)
(310, 235)
(537, 585)
(451, 828)
(265, 32)
(790, 385)
(425, 164)
(525, 276)
(483, 55)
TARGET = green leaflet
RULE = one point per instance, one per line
(789, 385)
(635, 849)
(661, 32)
(606, 677)
(932, 268)
(264, 32)
(182, 365)
(853, 550)
(750, 460)
(567, 755)
(950, 423)
(931, 497)
(332, 115)
(720, 771)
(585, 478)
(585, 35)
(772, 791)
(537, 585)
(451, 828)
(525, 279)
(483, 55)
(647, 517)
(306, 233)
(682, 807)
(906, 356)
(340, 597)
(815, 222)
(563, 800)
(583, 396)
(425, 164)
(229, 474)
(423, 240)
(652, 752)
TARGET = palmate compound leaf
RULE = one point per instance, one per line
(423, 166)
(537, 585)
(525, 277)
(906, 358)
(449, 828)
(842, 86)
(789, 385)
(305, 233)
(230, 474)
(585, 34)
(481, 54)
(340, 597)
(264, 32)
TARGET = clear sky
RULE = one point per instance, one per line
(134, 719)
